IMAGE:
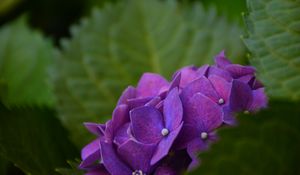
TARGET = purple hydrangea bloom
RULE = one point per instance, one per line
(159, 127)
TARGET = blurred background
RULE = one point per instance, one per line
(54, 17)
(264, 143)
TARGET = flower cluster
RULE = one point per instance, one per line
(159, 127)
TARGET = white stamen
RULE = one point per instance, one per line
(164, 132)
(138, 172)
(204, 135)
(246, 112)
(221, 101)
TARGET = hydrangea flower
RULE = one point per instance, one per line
(159, 127)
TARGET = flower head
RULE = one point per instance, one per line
(159, 123)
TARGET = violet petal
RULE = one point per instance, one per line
(221, 60)
(90, 153)
(237, 70)
(176, 81)
(259, 100)
(122, 134)
(97, 129)
(120, 116)
(150, 84)
(172, 110)
(188, 74)
(241, 96)
(165, 144)
(188, 133)
(111, 161)
(203, 112)
(202, 85)
(128, 93)
(146, 124)
(137, 155)
(221, 86)
(193, 150)
(213, 70)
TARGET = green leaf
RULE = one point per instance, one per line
(3, 165)
(6, 5)
(73, 170)
(34, 140)
(25, 57)
(274, 40)
(110, 51)
(266, 143)
(232, 9)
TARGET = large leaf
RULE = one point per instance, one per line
(232, 9)
(73, 170)
(3, 165)
(24, 59)
(34, 140)
(274, 40)
(266, 143)
(6, 5)
(111, 49)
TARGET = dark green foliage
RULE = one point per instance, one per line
(266, 143)
(231, 9)
(34, 140)
(25, 57)
(3, 165)
(73, 170)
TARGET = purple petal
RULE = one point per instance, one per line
(247, 79)
(241, 96)
(138, 102)
(164, 146)
(128, 93)
(193, 150)
(122, 134)
(203, 112)
(98, 170)
(202, 85)
(146, 124)
(221, 60)
(137, 155)
(154, 101)
(202, 70)
(176, 81)
(120, 116)
(256, 84)
(228, 116)
(213, 70)
(237, 70)
(150, 85)
(165, 170)
(188, 74)
(113, 164)
(109, 131)
(259, 100)
(90, 153)
(252, 81)
(160, 106)
(188, 133)
(97, 129)
(222, 87)
(172, 110)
